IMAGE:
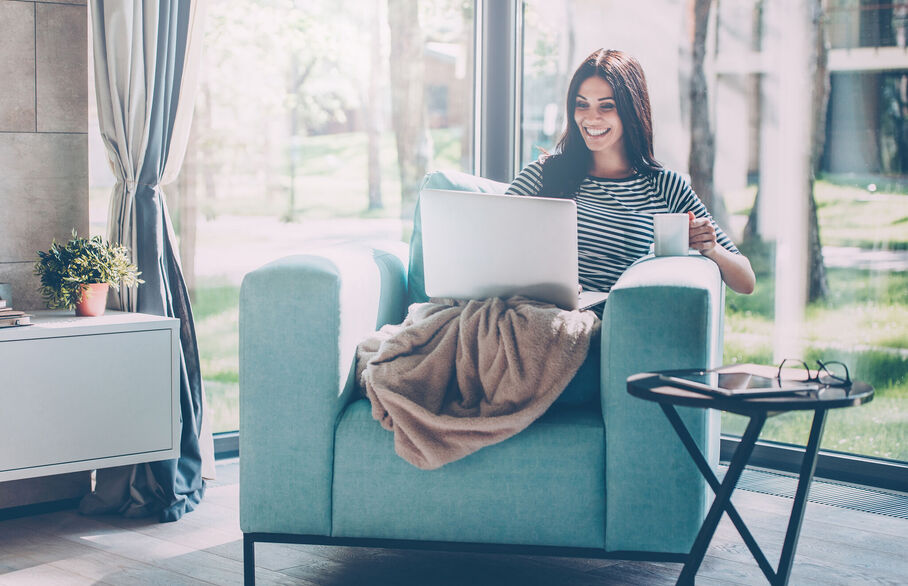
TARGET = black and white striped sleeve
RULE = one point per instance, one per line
(681, 198)
(528, 182)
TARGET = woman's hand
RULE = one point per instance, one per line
(735, 268)
(702, 234)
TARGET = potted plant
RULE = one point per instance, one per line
(79, 273)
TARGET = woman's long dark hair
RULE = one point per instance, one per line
(564, 171)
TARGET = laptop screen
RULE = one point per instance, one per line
(478, 245)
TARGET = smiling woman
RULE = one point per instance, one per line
(604, 162)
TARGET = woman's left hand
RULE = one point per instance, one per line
(735, 268)
(702, 234)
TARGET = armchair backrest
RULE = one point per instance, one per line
(455, 180)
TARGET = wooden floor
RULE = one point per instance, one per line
(837, 546)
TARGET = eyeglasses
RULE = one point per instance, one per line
(832, 373)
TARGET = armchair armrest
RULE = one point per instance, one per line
(663, 313)
(301, 318)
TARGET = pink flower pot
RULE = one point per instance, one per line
(94, 299)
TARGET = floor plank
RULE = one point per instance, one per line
(837, 547)
(31, 556)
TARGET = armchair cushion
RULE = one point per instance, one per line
(544, 486)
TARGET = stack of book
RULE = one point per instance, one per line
(9, 317)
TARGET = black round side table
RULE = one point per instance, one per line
(650, 387)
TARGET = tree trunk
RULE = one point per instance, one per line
(751, 233)
(290, 213)
(901, 135)
(408, 106)
(901, 94)
(374, 110)
(702, 142)
(818, 287)
(206, 192)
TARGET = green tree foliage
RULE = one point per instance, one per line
(273, 70)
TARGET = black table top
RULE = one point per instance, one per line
(648, 385)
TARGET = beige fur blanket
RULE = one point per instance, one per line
(456, 377)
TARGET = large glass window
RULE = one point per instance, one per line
(302, 110)
(307, 109)
(854, 305)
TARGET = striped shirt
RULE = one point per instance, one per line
(615, 218)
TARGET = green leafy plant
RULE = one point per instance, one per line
(64, 269)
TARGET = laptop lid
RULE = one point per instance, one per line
(478, 245)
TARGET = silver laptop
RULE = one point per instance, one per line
(478, 245)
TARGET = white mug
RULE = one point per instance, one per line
(671, 234)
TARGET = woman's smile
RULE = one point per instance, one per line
(595, 132)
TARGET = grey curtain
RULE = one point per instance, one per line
(146, 56)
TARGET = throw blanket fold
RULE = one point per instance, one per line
(456, 377)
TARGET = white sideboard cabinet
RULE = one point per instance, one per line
(78, 393)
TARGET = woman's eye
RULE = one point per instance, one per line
(607, 107)
(581, 105)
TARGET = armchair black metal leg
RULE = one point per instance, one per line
(723, 496)
(672, 414)
(248, 560)
(808, 467)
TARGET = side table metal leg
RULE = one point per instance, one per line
(723, 496)
(808, 467)
(714, 484)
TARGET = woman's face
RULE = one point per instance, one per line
(596, 115)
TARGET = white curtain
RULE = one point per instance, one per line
(146, 58)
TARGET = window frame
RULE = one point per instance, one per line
(498, 82)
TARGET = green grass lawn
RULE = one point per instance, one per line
(868, 309)
(878, 429)
(216, 313)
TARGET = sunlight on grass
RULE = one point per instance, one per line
(851, 218)
(867, 324)
(849, 214)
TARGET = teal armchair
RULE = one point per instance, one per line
(600, 478)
